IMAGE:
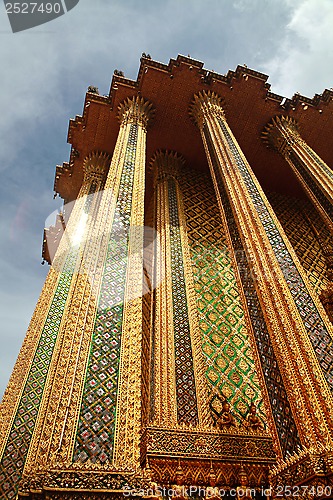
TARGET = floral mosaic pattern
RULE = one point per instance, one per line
(230, 365)
(24, 422)
(284, 421)
(318, 160)
(187, 411)
(290, 212)
(316, 191)
(317, 331)
(95, 434)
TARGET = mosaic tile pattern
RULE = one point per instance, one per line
(95, 434)
(284, 421)
(151, 243)
(24, 423)
(321, 198)
(317, 331)
(225, 344)
(318, 160)
(152, 364)
(147, 317)
(290, 212)
(146, 340)
(187, 411)
(19, 439)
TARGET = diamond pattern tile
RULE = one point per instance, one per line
(316, 328)
(285, 424)
(290, 212)
(18, 442)
(225, 344)
(187, 411)
(95, 434)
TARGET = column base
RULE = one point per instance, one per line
(308, 475)
(77, 484)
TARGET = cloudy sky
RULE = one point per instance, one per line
(45, 72)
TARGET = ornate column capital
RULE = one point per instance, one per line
(166, 164)
(281, 133)
(205, 105)
(95, 166)
(136, 110)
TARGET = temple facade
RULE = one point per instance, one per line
(182, 342)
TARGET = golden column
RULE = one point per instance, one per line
(178, 388)
(312, 172)
(295, 319)
(316, 179)
(35, 368)
(89, 409)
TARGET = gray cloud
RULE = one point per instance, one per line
(304, 60)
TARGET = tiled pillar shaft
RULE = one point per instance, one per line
(110, 412)
(299, 330)
(34, 369)
(163, 396)
(128, 418)
(316, 179)
(312, 172)
(91, 410)
(178, 395)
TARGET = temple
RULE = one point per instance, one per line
(183, 337)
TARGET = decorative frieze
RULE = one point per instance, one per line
(228, 445)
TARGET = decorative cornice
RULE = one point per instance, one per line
(136, 110)
(64, 169)
(207, 76)
(205, 104)
(52, 237)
